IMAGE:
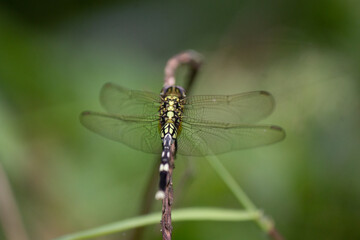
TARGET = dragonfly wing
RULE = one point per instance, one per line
(216, 138)
(118, 100)
(239, 108)
(138, 133)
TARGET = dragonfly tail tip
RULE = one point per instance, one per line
(159, 195)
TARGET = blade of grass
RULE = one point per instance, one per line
(265, 223)
(188, 214)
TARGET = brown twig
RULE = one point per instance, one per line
(191, 58)
(166, 227)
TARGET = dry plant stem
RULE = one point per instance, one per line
(194, 60)
(166, 226)
(191, 58)
(9, 214)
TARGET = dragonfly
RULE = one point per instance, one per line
(197, 125)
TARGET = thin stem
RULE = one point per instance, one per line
(191, 58)
(188, 214)
(231, 183)
(166, 226)
(241, 196)
(194, 60)
(265, 223)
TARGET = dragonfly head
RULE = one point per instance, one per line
(175, 91)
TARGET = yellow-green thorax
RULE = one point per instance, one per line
(171, 110)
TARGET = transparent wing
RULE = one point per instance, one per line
(138, 133)
(215, 138)
(118, 100)
(239, 108)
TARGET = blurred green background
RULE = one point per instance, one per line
(56, 55)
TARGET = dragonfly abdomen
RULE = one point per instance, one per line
(168, 135)
(164, 165)
(171, 110)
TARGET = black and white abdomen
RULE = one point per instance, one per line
(171, 110)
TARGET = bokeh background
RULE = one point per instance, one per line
(56, 55)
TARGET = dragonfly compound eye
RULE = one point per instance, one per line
(182, 91)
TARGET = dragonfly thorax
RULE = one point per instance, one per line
(171, 110)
